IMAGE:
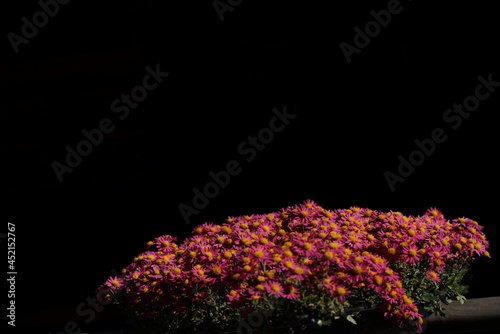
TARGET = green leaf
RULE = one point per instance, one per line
(461, 299)
(351, 319)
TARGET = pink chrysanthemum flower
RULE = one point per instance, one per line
(433, 276)
(114, 282)
(165, 243)
(411, 254)
(274, 288)
(299, 248)
(290, 291)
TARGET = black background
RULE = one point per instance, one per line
(353, 121)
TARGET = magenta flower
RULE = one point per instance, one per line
(295, 251)
(114, 283)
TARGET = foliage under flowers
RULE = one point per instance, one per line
(301, 260)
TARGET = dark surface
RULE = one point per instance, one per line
(353, 122)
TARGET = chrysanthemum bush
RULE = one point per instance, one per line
(300, 262)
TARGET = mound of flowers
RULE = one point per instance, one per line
(300, 260)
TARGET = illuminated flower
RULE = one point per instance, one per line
(114, 282)
(274, 288)
(338, 256)
(433, 276)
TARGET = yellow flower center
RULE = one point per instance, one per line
(328, 255)
(335, 235)
(357, 270)
(275, 287)
(333, 245)
(407, 300)
(258, 253)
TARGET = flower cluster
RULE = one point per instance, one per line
(294, 251)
